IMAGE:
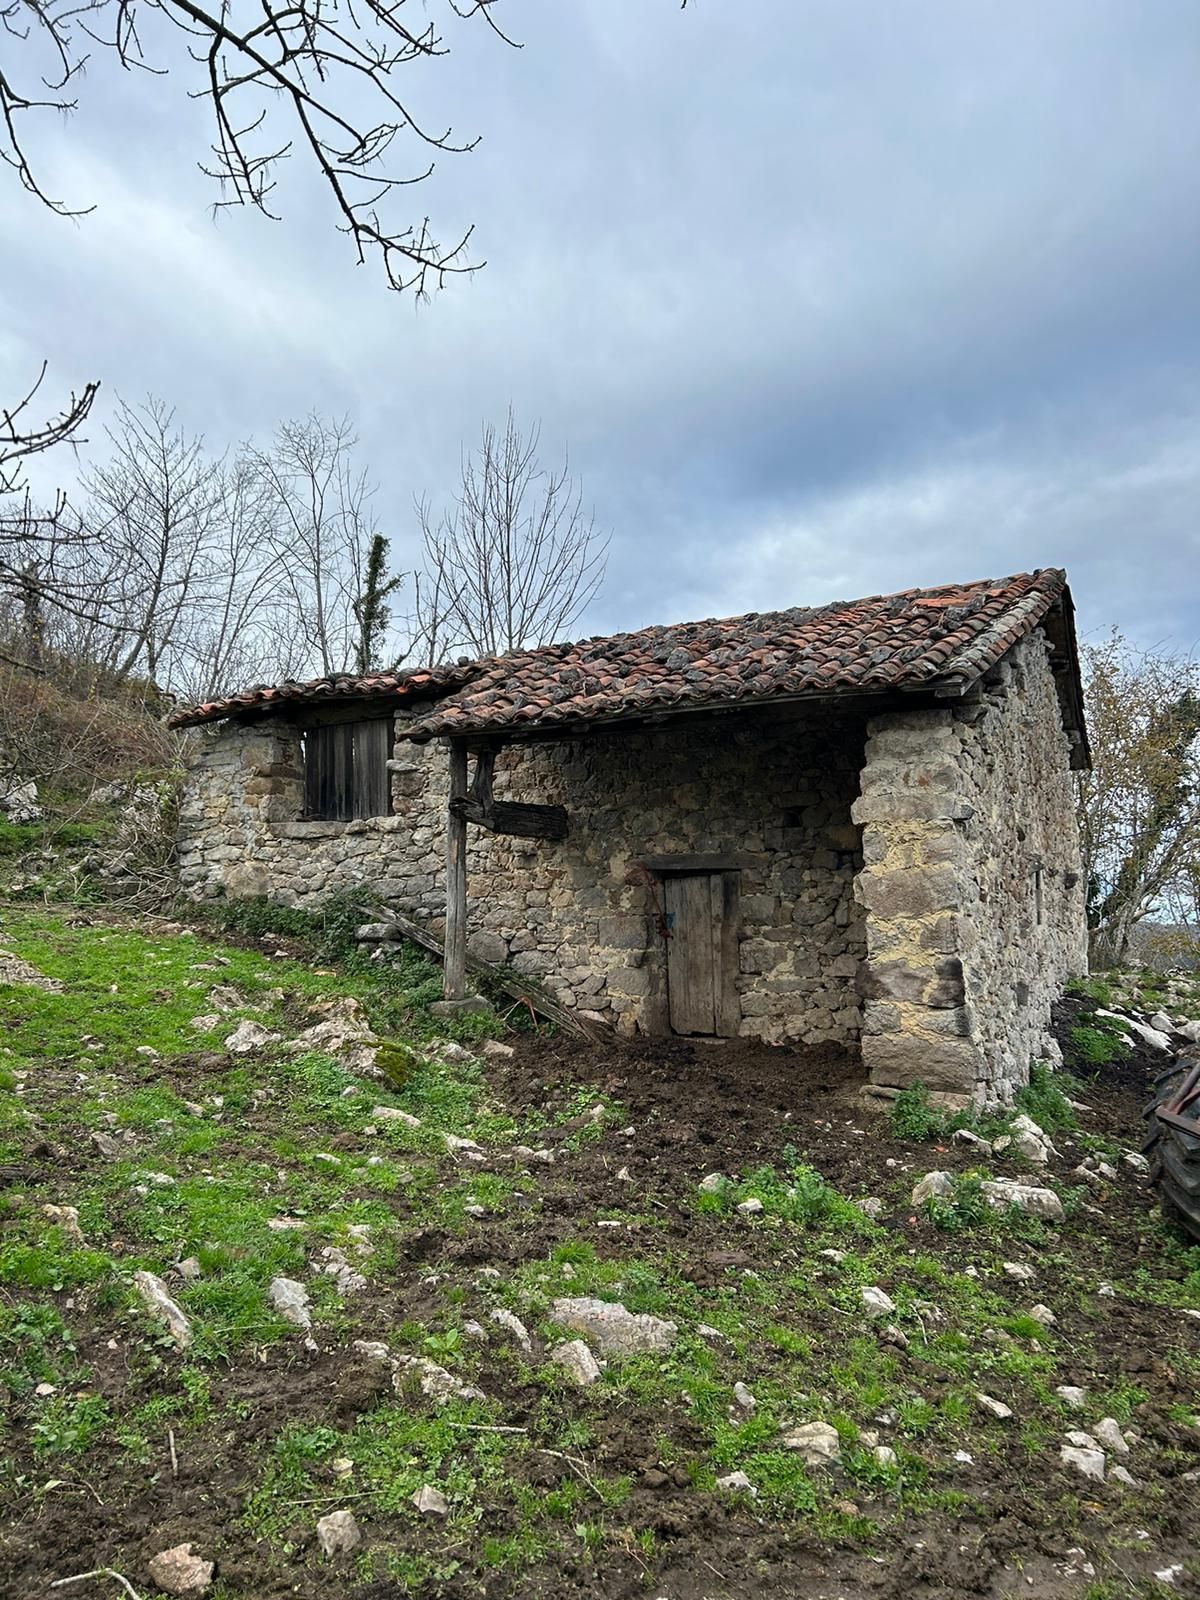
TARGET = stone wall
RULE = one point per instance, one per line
(971, 883)
(582, 915)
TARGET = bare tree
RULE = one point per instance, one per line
(317, 505)
(153, 509)
(517, 559)
(278, 75)
(1139, 806)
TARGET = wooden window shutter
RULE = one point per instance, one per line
(345, 770)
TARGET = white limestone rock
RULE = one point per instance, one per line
(430, 1502)
(178, 1571)
(249, 1037)
(338, 1533)
(876, 1303)
(577, 1361)
(1000, 1193)
(614, 1330)
(1073, 1398)
(933, 1186)
(290, 1300)
(995, 1408)
(157, 1299)
(736, 1483)
(816, 1442)
(1108, 1433)
(1089, 1462)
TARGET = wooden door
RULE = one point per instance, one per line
(702, 953)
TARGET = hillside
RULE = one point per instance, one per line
(369, 1252)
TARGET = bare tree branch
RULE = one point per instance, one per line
(321, 76)
(515, 562)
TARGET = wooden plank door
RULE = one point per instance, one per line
(702, 953)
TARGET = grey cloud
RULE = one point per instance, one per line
(825, 299)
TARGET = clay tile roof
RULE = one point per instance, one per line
(918, 639)
(401, 686)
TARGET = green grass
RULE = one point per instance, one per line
(1100, 1041)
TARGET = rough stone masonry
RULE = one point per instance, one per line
(909, 881)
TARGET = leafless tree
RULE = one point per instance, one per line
(278, 75)
(318, 528)
(515, 561)
(21, 436)
(153, 509)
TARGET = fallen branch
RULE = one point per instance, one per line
(99, 1572)
(523, 990)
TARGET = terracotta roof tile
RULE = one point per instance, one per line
(919, 638)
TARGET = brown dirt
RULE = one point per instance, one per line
(694, 1109)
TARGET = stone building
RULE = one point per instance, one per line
(850, 824)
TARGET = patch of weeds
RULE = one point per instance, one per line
(1122, 1400)
(1100, 1041)
(1094, 988)
(36, 1346)
(965, 1208)
(1043, 1099)
(912, 1117)
(50, 1263)
(68, 1425)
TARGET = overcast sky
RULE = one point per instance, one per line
(826, 297)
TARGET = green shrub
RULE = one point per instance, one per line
(1043, 1099)
(1099, 1041)
(912, 1117)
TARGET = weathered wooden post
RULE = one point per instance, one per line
(454, 975)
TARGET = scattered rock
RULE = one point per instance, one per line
(891, 1334)
(577, 1360)
(1075, 1399)
(871, 1207)
(1136, 1162)
(1030, 1140)
(189, 1269)
(1169, 1574)
(995, 1408)
(334, 1265)
(751, 1207)
(106, 1146)
(286, 1224)
(1151, 1036)
(338, 1533)
(493, 1047)
(975, 1140)
(1162, 1022)
(1000, 1193)
(876, 1303)
(1122, 1474)
(248, 1037)
(290, 1300)
(430, 1502)
(457, 1146)
(1044, 1315)
(515, 1326)
(435, 1382)
(394, 1114)
(454, 1054)
(157, 1299)
(613, 1329)
(1020, 1270)
(736, 1483)
(713, 1183)
(885, 1455)
(178, 1571)
(1088, 1461)
(836, 1256)
(66, 1218)
(933, 1186)
(1108, 1433)
(744, 1398)
(210, 1021)
(816, 1442)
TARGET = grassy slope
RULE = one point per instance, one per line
(247, 1140)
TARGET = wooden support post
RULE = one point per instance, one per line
(454, 977)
